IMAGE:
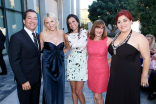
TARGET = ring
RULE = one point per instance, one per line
(143, 84)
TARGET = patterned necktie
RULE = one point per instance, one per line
(35, 39)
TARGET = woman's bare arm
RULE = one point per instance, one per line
(145, 53)
(41, 40)
(67, 47)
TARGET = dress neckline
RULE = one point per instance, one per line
(125, 41)
(97, 40)
(54, 44)
(74, 33)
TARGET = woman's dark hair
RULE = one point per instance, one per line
(77, 19)
(25, 13)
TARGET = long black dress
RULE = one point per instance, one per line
(125, 75)
(53, 73)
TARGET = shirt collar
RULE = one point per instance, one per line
(28, 31)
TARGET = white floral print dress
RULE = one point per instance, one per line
(77, 59)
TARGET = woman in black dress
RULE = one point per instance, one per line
(125, 70)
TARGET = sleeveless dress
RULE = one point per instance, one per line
(77, 59)
(98, 69)
(53, 69)
(125, 74)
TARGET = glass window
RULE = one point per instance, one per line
(1, 19)
(14, 22)
(11, 20)
(2, 27)
(13, 4)
(0, 2)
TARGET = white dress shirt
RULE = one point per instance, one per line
(30, 34)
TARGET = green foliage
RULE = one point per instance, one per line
(111, 34)
(85, 26)
(147, 9)
(107, 10)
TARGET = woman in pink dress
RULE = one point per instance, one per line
(98, 69)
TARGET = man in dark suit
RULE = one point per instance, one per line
(24, 57)
(2, 62)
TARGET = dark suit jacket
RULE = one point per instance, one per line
(24, 58)
(2, 40)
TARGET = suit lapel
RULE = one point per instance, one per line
(27, 37)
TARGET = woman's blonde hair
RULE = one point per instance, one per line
(51, 15)
(153, 40)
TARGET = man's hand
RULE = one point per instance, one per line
(26, 86)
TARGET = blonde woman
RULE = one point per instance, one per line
(152, 69)
(52, 44)
(151, 40)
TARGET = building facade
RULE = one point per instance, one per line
(11, 14)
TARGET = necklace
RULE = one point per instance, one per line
(115, 47)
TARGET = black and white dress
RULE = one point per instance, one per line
(77, 60)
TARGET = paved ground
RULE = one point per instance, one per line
(8, 93)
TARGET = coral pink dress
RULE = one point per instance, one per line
(98, 69)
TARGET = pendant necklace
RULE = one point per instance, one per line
(115, 47)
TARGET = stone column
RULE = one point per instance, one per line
(31, 4)
(78, 9)
(89, 26)
(43, 11)
(72, 6)
(60, 17)
(66, 12)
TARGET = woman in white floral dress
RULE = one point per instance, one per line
(77, 71)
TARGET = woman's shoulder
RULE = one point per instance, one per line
(139, 38)
(137, 35)
(109, 39)
(41, 34)
(84, 31)
(61, 32)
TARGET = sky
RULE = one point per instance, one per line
(84, 3)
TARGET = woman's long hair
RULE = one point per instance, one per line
(98, 24)
(77, 19)
(51, 15)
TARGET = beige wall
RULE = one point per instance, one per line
(84, 16)
(52, 7)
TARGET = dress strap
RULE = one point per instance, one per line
(125, 41)
(116, 36)
(128, 36)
